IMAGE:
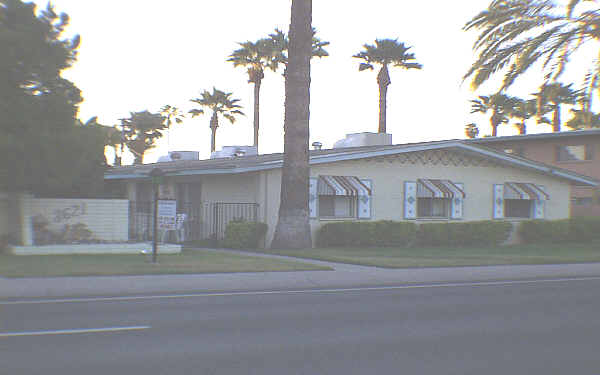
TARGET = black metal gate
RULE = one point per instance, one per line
(200, 221)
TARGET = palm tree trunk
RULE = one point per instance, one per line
(383, 80)
(256, 112)
(494, 126)
(523, 128)
(214, 124)
(293, 229)
(556, 119)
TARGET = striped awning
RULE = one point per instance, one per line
(430, 188)
(341, 185)
(523, 190)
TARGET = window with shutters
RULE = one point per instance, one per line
(335, 206)
(518, 208)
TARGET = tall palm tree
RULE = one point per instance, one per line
(471, 130)
(384, 53)
(140, 131)
(552, 96)
(522, 110)
(498, 104)
(220, 103)
(293, 229)
(172, 116)
(515, 34)
(256, 57)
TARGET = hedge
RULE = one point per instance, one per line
(577, 229)
(244, 235)
(473, 233)
(383, 233)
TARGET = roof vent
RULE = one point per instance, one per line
(364, 139)
(179, 155)
(234, 151)
(317, 145)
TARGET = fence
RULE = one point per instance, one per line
(202, 220)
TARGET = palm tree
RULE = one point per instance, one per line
(471, 130)
(583, 120)
(552, 96)
(384, 53)
(279, 44)
(498, 104)
(221, 104)
(515, 34)
(522, 110)
(172, 116)
(256, 57)
(293, 229)
(140, 132)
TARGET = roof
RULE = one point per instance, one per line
(245, 164)
(539, 136)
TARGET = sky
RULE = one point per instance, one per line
(140, 55)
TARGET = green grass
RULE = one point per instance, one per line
(188, 262)
(453, 257)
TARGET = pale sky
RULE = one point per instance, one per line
(143, 54)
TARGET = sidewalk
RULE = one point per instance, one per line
(343, 276)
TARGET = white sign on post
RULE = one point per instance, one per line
(167, 214)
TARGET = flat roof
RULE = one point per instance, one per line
(253, 163)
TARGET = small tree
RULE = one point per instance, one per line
(141, 130)
(498, 104)
(471, 130)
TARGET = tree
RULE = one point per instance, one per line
(498, 104)
(256, 57)
(44, 149)
(293, 229)
(140, 131)
(471, 130)
(220, 103)
(172, 115)
(581, 120)
(384, 53)
(516, 34)
(280, 44)
(522, 110)
(552, 96)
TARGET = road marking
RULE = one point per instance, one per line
(73, 331)
(301, 291)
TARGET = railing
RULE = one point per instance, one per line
(202, 220)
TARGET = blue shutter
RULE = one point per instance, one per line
(364, 201)
(457, 204)
(313, 198)
(498, 201)
(539, 207)
(410, 200)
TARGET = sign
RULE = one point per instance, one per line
(167, 214)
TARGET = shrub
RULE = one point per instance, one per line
(244, 235)
(474, 233)
(578, 229)
(383, 233)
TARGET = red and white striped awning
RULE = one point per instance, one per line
(430, 188)
(523, 190)
(341, 185)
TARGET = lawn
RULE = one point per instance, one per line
(453, 257)
(188, 262)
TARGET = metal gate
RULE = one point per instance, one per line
(202, 220)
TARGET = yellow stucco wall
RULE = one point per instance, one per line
(389, 174)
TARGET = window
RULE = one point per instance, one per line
(433, 207)
(518, 151)
(335, 206)
(518, 208)
(574, 153)
(585, 201)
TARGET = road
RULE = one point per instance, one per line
(522, 327)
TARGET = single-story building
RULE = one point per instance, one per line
(432, 181)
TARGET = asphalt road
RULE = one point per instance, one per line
(533, 327)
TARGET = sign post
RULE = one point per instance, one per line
(157, 177)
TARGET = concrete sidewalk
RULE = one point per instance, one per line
(343, 276)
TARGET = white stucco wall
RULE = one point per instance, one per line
(242, 188)
(108, 219)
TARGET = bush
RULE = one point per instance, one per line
(244, 235)
(474, 233)
(578, 229)
(383, 233)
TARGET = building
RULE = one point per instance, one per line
(424, 182)
(578, 151)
